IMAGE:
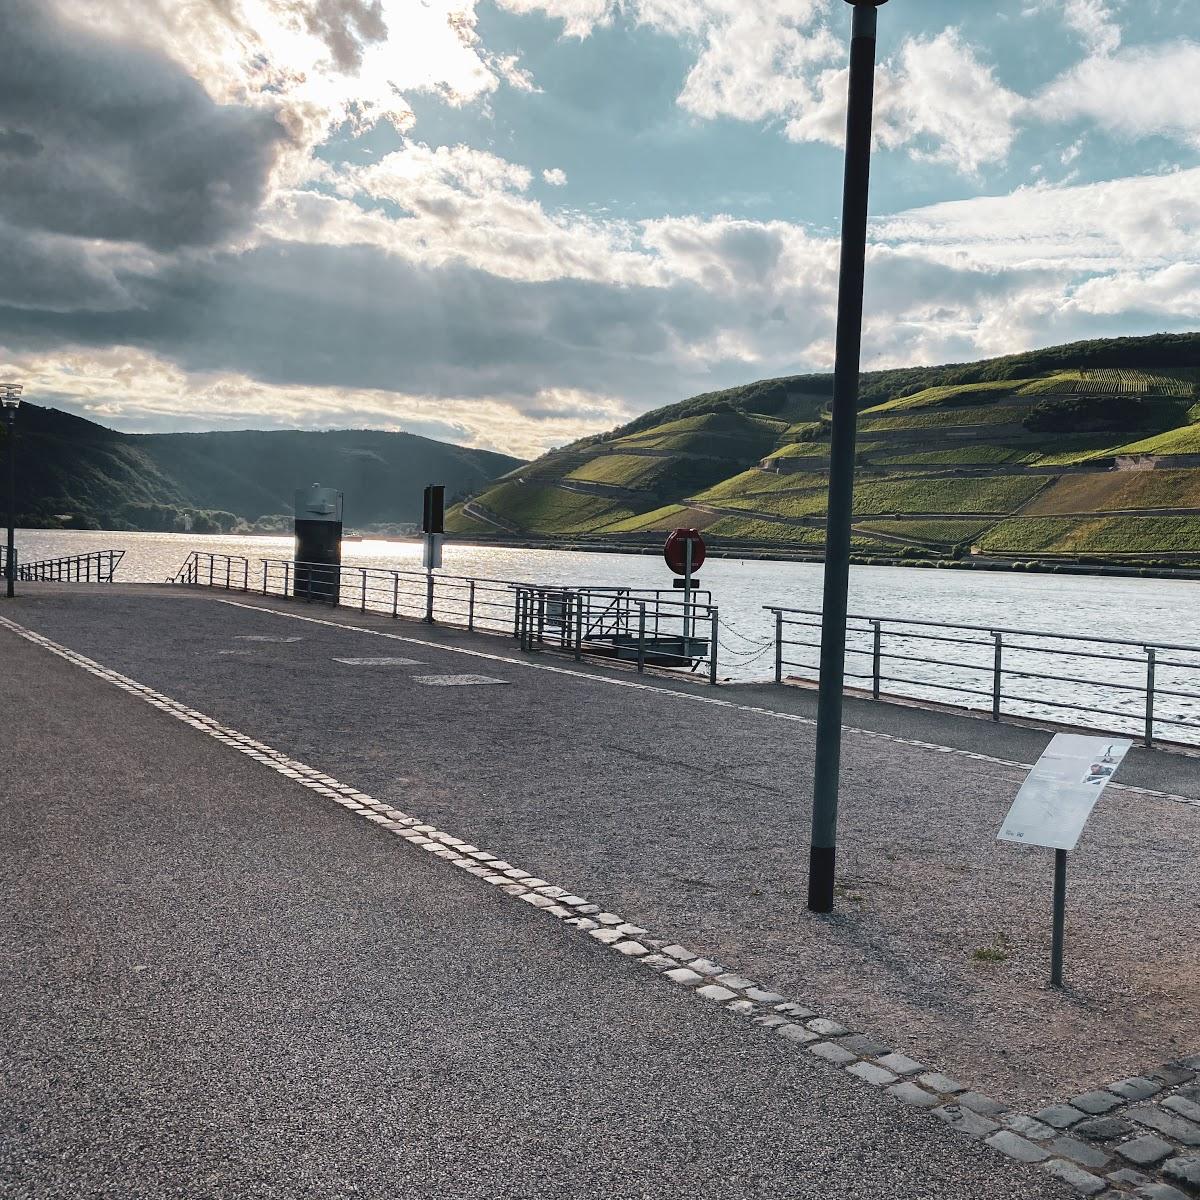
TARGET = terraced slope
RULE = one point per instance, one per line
(1087, 451)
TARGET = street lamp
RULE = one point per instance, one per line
(10, 397)
(844, 423)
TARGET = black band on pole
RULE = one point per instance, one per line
(1060, 918)
(841, 455)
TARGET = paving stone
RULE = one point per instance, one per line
(679, 952)
(1192, 1063)
(1028, 1126)
(1183, 1106)
(871, 1073)
(1145, 1151)
(583, 923)
(1127, 1175)
(1086, 1156)
(771, 1020)
(864, 1046)
(627, 929)
(588, 909)
(965, 1121)
(684, 975)
(1137, 1087)
(799, 1012)
(1168, 1123)
(607, 918)
(1061, 1116)
(607, 936)
(738, 982)
(1185, 1169)
(1173, 1074)
(706, 966)
(1096, 1102)
(937, 1082)
(796, 1033)
(1015, 1146)
(984, 1105)
(743, 1008)
(1102, 1129)
(660, 962)
(761, 997)
(633, 949)
(901, 1064)
(1081, 1180)
(832, 1052)
(827, 1028)
(1159, 1191)
(910, 1093)
(714, 991)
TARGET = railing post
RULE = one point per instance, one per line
(712, 645)
(1150, 657)
(264, 576)
(779, 645)
(997, 675)
(641, 659)
(578, 626)
(516, 612)
(876, 656)
(395, 594)
(245, 575)
(471, 607)
(541, 626)
(362, 604)
(228, 570)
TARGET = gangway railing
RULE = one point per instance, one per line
(643, 626)
(1148, 689)
(97, 566)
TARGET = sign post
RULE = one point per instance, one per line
(433, 527)
(684, 553)
(1053, 806)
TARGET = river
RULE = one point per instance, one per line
(1137, 610)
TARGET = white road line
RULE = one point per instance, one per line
(753, 709)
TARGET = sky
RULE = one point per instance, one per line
(511, 223)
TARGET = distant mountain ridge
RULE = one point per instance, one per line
(1088, 451)
(73, 471)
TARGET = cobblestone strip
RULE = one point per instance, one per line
(1117, 1141)
(757, 710)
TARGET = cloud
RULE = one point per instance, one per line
(934, 97)
(1094, 21)
(345, 26)
(106, 140)
(555, 176)
(1134, 93)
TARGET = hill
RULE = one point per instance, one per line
(1089, 451)
(75, 472)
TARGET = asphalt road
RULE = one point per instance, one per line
(217, 984)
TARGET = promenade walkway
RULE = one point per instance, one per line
(226, 985)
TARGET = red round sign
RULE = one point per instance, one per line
(675, 551)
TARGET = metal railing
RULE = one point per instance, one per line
(646, 627)
(651, 627)
(99, 566)
(1148, 689)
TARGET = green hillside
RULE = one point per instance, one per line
(74, 472)
(1090, 450)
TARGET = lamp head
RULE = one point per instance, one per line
(867, 3)
(10, 394)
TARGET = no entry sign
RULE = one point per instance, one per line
(675, 551)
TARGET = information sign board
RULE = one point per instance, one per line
(1060, 792)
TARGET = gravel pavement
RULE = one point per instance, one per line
(219, 985)
(692, 818)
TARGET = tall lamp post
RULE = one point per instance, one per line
(10, 397)
(822, 859)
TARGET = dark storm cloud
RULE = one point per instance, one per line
(103, 139)
(357, 318)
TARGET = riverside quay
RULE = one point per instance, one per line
(306, 899)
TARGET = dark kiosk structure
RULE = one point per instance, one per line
(318, 525)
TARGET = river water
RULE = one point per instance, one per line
(1137, 610)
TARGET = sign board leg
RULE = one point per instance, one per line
(1060, 912)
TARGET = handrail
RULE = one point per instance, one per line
(94, 566)
(1042, 671)
(655, 626)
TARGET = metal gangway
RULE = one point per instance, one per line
(97, 566)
